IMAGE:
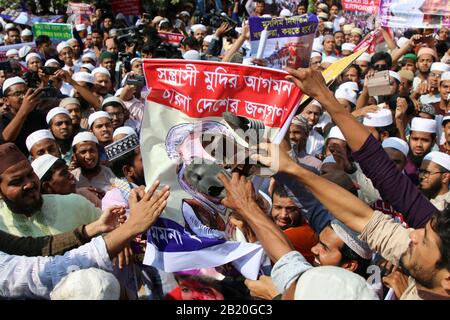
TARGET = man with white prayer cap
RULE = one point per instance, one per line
(102, 80)
(397, 150)
(315, 61)
(347, 49)
(433, 97)
(76, 49)
(12, 54)
(42, 142)
(89, 171)
(33, 61)
(434, 177)
(52, 63)
(421, 140)
(346, 96)
(356, 36)
(26, 35)
(89, 57)
(444, 91)
(199, 32)
(65, 54)
(101, 126)
(312, 113)
(21, 119)
(380, 124)
(192, 55)
(24, 51)
(336, 144)
(82, 30)
(87, 67)
(72, 105)
(363, 61)
(285, 13)
(60, 125)
(122, 132)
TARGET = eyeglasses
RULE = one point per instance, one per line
(426, 173)
(17, 94)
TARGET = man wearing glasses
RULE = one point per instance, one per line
(21, 119)
(433, 97)
(434, 177)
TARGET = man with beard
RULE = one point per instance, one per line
(89, 171)
(60, 124)
(433, 95)
(425, 58)
(72, 105)
(434, 178)
(421, 141)
(102, 81)
(25, 212)
(315, 142)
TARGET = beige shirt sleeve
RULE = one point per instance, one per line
(384, 235)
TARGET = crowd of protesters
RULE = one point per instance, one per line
(362, 180)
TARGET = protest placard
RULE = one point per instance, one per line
(289, 40)
(56, 31)
(369, 6)
(82, 11)
(184, 106)
(415, 13)
(173, 38)
(127, 8)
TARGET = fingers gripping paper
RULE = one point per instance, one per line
(182, 121)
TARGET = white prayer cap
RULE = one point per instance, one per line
(97, 115)
(12, 81)
(87, 284)
(135, 59)
(285, 13)
(439, 158)
(336, 133)
(88, 66)
(208, 38)
(347, 28)
(350, 85)
(53, 112)
(323, 15)
(66, 101)
(31, 56)
(9, 26)
(12, 52)
(72, 40)
(423, 125)
(196, 27)
(42, 164)
(24, 51)
(357, 31)
(60, 47)
(332, 283)
(351, 239)
(445, 119)
(80, 27)
(316, 103)
(315, 54)
(84, 137)
(124, 130)
(26, 33)
(395, 75)
(37, 136)
(402, 41)
(381, 118)
(184, 13)
(445, 76)
(440, 66)
(101, 70)
(191, 55)
(83, 76)
(348, 95)
(111, 100)
(90, 55)
(329, 159)
(330, 59)
(348, 46)
(364, 57)
(328, 24)
(397, 144)
(52, 61)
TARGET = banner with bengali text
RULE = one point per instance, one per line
(127, 8)
(56, 31)
(289, 41)
(186, 101)
(173, 38)
(428, 14)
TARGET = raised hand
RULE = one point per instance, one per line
(311, 82)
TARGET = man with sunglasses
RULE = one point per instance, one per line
(21, 119)
(434, 177)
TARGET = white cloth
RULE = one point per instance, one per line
(315, 143)
(34, 277)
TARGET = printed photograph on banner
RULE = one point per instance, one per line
(202, 119)
(415, 13)
(283, 42)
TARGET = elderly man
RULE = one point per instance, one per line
(21, 119)
(89, 171)
(25, 212)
